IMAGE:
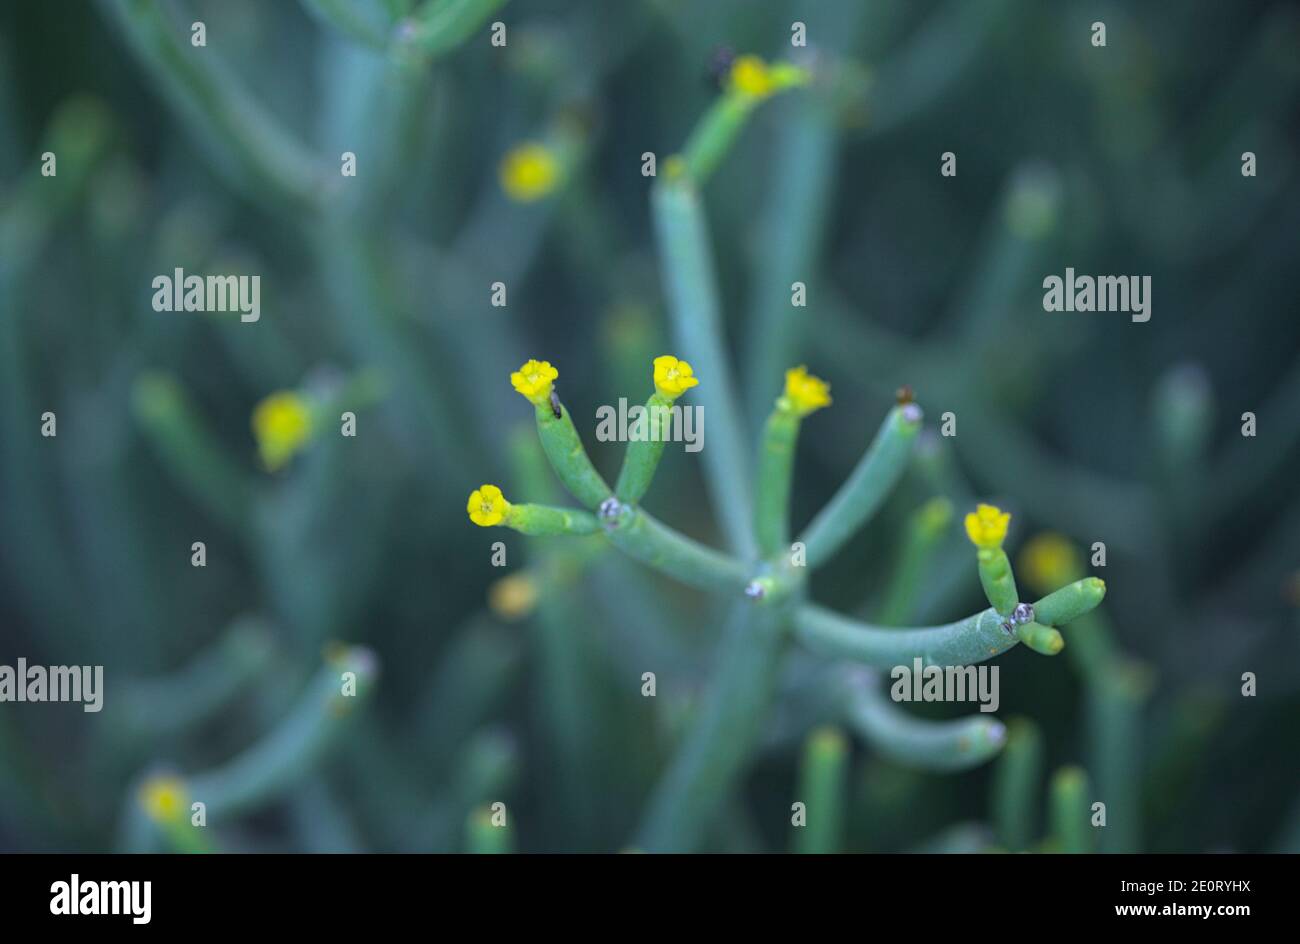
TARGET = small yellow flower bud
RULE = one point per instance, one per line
(673, 377)
(282, 425)
(513, 596)
(487, 506)
(986, 526)
(750, 76)
(529, 172)
(163, 798)
(533, 380)
(934, 515)
(804, 393)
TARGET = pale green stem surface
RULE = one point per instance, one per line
(650, 541)
(1045, 640)
(996, 578)
(1017, 780)
(540, 520)
(1114, 724)
(696, 314)
(926, 530)
(974, 639)
(871, 481)
(264, 771)
(775, 477)
(790, 235)
(929, 745)
(823, 776)
(641, 459)
(1072, 828)
(728, 724)
(569, 458)
(1070, 602)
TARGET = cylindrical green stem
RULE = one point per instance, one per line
(930, 745)
(704, 772)
(789, 237)
(821, 790)
(547, 520)
(974, 639)
(644, 452)
(652, 542)
(201, 690)
(568, 458)
(1071, 823)
(714, 134)
(722, 124)
(262, 772)
(1114, 726)
(696, 313)
(1045, 640)
(1016, 785)
(775, 474)
(1070, 602)
(925, 532)
(867, 487)
(996, 578)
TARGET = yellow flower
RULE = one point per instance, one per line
(934, 515)
(673, 377)
(534, 380)
(513, 597)
(751, 77)
(282, 426)
(805, 393)
(163, 798)
(487, 506)
(529, 172)
(1049, 561)
(986, 526)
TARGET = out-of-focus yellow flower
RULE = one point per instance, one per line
(673, 377)
(751, 77)
(282, 426)
(533, 380)
(986, 526)
(513, 596)
(163, 798)
(934, 515)
(487, 506)
(805, 393)
(1048, 561)
(529, 172)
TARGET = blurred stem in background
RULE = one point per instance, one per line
(1017, 780)
(822, 786)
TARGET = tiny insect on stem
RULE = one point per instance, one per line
(555, 402)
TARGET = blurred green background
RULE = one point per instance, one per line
(376, 298)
